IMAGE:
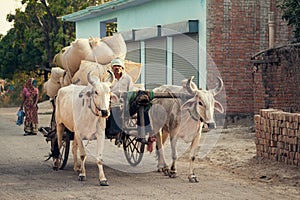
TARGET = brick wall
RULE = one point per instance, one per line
(277, 136)
(236, 30)
(276, 75)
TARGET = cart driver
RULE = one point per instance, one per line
(123, 83)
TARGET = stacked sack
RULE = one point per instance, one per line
(55, 81)
(85, 55)
(85, 67)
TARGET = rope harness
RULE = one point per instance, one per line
(97, 109)
(196, 118)
(91, 97)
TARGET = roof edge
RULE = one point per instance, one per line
(101, 9)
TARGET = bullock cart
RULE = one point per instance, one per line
(130, 128)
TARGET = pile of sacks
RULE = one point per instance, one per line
(93, 55)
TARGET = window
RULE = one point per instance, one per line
(108, 27)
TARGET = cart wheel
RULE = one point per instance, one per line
(64, 151)
(133, 150)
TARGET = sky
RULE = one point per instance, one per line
(6, 7)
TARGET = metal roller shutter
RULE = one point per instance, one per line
(155, 62)
(133, 51)
(133, 54)
(185, 58)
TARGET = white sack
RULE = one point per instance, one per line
(101, 53)
(117, 45)
(96, 69)
(51, 88)
(73, 55)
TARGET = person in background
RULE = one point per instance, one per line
(29, 104)
(2, 83)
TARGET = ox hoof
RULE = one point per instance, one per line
(56, 164)
(103, 183)
(81, 177)
(173, 174)
(159, 170)
(193, 179)
(55, 168)
(166, 171)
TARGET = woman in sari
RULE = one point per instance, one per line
(29, 103)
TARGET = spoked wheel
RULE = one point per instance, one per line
(133, 150)
(63, 153)
(64, 150)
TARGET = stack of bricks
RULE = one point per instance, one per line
(277, 136)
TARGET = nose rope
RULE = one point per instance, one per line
(196, 118)
(96, 107)
(193, 117)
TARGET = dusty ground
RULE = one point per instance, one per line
(229, 171)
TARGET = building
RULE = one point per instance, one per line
(176, 39)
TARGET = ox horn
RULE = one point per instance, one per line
(219, 86)
(189, 87)
(89, 78)
(111, 77)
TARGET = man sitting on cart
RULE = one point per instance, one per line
(123, 83)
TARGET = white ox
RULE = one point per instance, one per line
(182, 119)
(83, 110)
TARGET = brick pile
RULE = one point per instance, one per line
(277, 136)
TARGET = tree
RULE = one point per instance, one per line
(8, 56)
(38, 34)
(291, 13)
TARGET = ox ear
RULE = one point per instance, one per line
(219, 107)
(188, 104)
(114, 98)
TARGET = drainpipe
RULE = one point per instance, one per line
(271, 24)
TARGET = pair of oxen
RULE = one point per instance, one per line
(84, 109)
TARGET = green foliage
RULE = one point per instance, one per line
(14, 88)
(38, 34)
(291, 13)
(111, 28)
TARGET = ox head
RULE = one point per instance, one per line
(100, 95)
(202, 105)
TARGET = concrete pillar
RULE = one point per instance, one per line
(271, 23)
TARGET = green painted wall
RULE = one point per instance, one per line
(88, 28)
(153, 13)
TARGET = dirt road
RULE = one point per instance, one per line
(228, 171)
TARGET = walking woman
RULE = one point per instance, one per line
(29, 103)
